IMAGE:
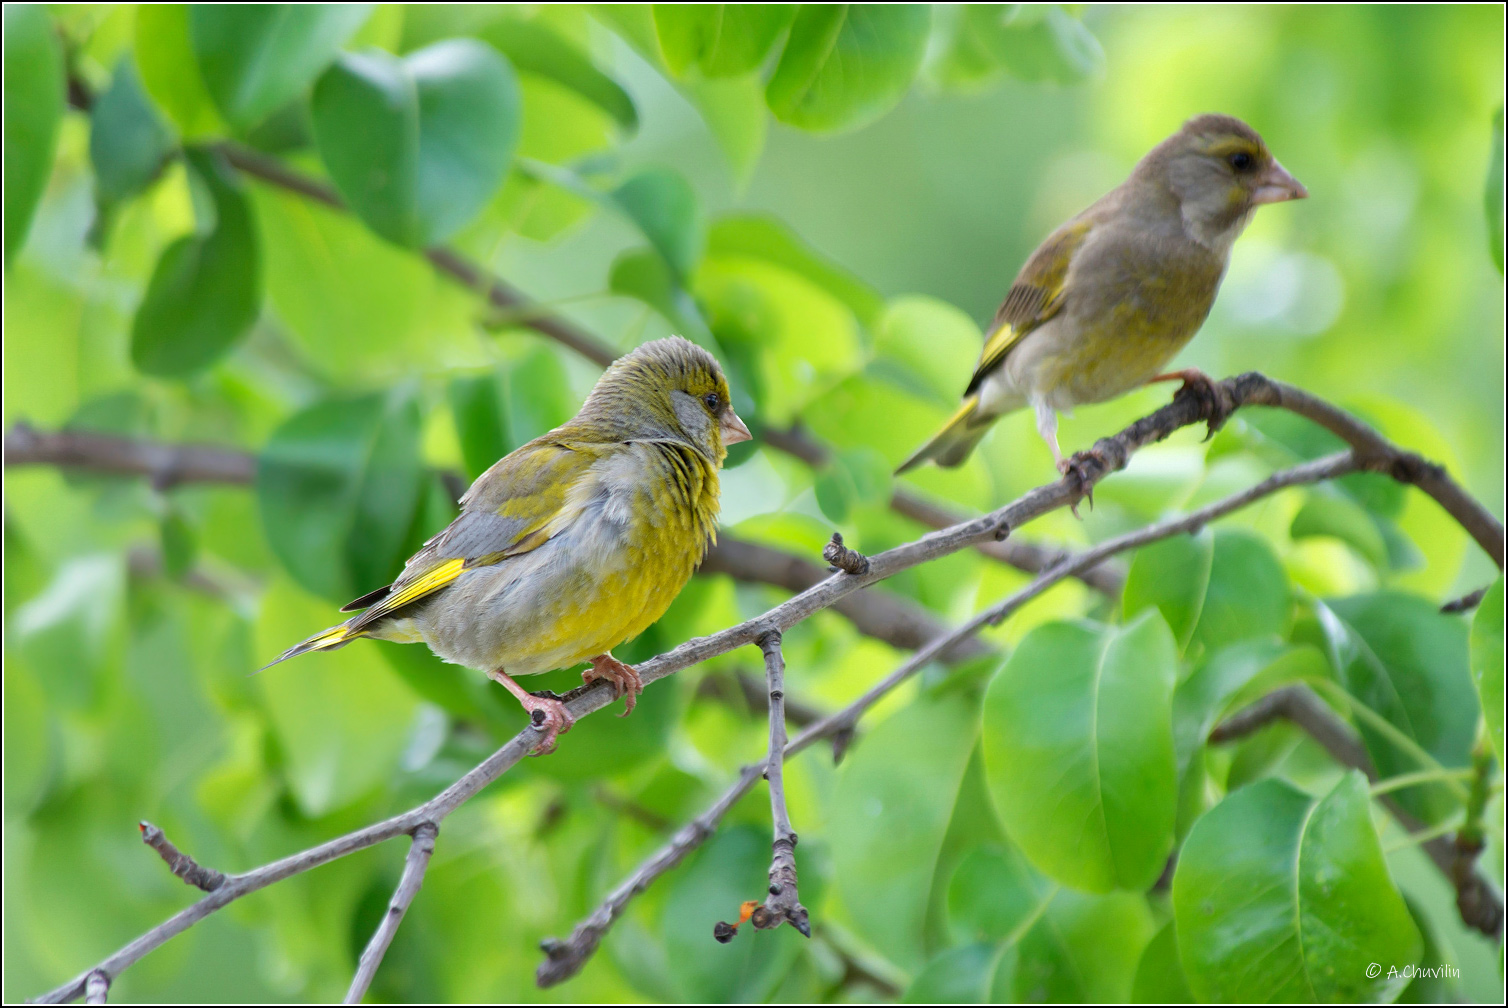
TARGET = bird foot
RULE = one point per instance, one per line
(547, 715)
(625, 680)
(1213, 404)
(1076, 469)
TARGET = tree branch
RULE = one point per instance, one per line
(897, 621)
(179, 863)
(784, 903)
(1477, 899)
(564, 958)
(414, 866)
(1109, 455)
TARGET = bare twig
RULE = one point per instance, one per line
(1109, 455)
(1477, 899)
(897, 621)
(414, 866)
(784, 903)
(96, 988)
(1467, 602)
(179, 863)
(849, 561)
(564, 958)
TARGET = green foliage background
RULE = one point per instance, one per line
(833, 198)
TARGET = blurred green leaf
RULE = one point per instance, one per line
(733, 109)
(481, 421)
(1403, 658)
(1159, 975)
(254, 58)
(1487, 662)
(663, 206)
(1283, 897)
(766, 238)
(1493, 196)
(1336, 515)
(33, 108)
(31, 742)
(337, 485)
(532, 47)
(1099, 729)
(1084, 949)
(923, 345)
(845, 65)
(129, 143)
(994, 891)
(180, 546)
(718, 40)
(418, 145)
(884, 874)
(1032, 42)
(854, 478)
(341, 719)
(1248, 595)
(954, 976)
(1173, 576)
(205, 291)
(169, 71)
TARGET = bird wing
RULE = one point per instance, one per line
(1034, 298)
(512, 508)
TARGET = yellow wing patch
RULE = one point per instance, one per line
(428, 583)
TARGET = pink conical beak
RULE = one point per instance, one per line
(734, 429)
(1277, 186)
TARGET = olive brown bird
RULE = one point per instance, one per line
(1108, 299)
(572, 543)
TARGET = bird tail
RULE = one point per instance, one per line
(952, 445)
(326, 640)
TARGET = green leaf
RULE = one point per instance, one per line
(1081, 761)
(733, 109)
(855, 477)
(1084, 949)
(33, 109)
(534, 48)
(766, 238)
(205, 291)
(1487, 662)
(481, 421)
(884, 874)
(954, 976)
(129, 143)
(1159, 976)
(662, 204)
(1173, 576)
(1403, 658)
(255, 58)
(993, 892)
(845, 65)
(1248, 596)
(1330, 513)
(1492, 198)
(418, 145)
(341, 720)
(337, 486)
(718, 40)
(169, 71)
(1031, 43)
(1279, 896)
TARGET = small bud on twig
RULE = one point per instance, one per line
(850, 561)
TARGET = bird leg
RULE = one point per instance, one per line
(625, 680)
(546, 714)
(1201, 386)
(1077, 471)
(1047, 426)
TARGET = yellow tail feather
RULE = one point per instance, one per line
(952, 445)
(325, 640)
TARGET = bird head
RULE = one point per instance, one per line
(1219, 171)
(667, 389)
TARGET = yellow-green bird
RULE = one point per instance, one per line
(1110, 297)
(574, 542)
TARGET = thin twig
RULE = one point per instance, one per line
(97, 988)
(1477, 899)
(1467, 602)
(414, 866)
(1108, 455)
(784, 902)
(179, 863)
(565, 957)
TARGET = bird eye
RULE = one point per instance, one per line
(1241, 161)
(712, 401)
